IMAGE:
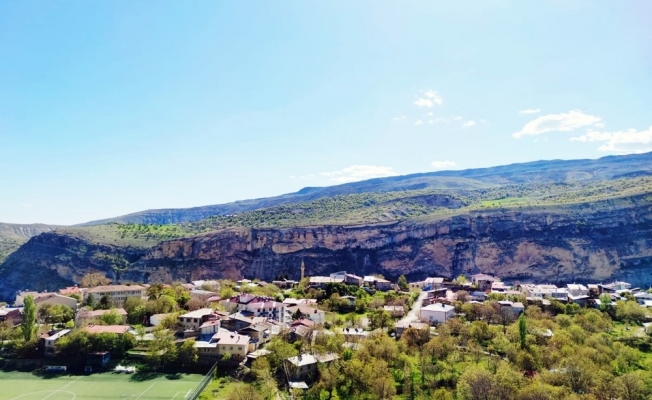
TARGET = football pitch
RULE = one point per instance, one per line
(27, 386)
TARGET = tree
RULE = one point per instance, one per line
(94, 279)
(461, 279)
(105, 303)
(475, 384)
(89, 302)
(6, 329)
(29, 318)
(111, 318)
(187, 353)
(403, 283)
(522, 331)
(462, 296)
(379, 319)
(243, 391)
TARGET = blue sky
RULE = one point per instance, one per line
(113, 107)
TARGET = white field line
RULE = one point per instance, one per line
(146, 390)
(68, 384)
(187, 393)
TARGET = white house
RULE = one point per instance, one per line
(437, 312)
(48, 342)
(314, 314)
(577, 290)
(192, 320)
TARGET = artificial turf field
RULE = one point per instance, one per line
(27, 386)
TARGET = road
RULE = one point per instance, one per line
(413, 315)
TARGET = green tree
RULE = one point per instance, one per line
(29, 318)
(403, 283)
(111, 318)
(522, 331)
(187, 354)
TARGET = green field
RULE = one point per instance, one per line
(28, 386)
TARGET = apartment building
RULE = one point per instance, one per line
(117, 293)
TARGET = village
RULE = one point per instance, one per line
(230, 323)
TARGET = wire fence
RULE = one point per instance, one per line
(194, 395)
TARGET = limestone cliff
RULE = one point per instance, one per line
(599, 241)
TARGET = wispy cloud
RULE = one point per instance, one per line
(418, 122)
(443, 164)
(563, 122)
(530, 111)
(399, 118)
(468, 124)
(457, 118)
(358, 173)
(620, 142)
(428, 98)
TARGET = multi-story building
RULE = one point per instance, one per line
(117, 293)
(193, 320)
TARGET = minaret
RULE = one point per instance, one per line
(303, 268)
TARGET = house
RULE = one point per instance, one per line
(49, 339)
(13, 315)
(429, 283)
(20, 297)
(202, 295)
(222, 343)
(117, 293)
(213, 284)
(285, 284)
(84, 316)
(483, 281)
(269, 309)
(301, 328)
(236, 322)
(616, 287)
(304, 366)
(71, 290)
(295, 302)
(377, 282)
(209, 327)
(577, 290)
(314, 314)
(322, 281)
(56, 299)
(437, 312)
(641, 297)
(191, 321)
(499, 287)
(117, 329)
(383, 284)
(403, 325)
(259, 333)
(513, 309)
(395, 311)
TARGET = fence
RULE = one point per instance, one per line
(194, 395)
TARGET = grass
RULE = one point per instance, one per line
(508, 202)
(219, 389)
(29, 386)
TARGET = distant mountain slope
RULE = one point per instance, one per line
(606, 168)
(12, 236)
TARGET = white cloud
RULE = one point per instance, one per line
(599, 125)
(401, 118)
(418, 122)
(530, 111)
(442, 120)
(428, 98)
(431, 121)
(359, 173)
(443, 164)
(563, 122)
(430, 114)
(468, 124)
(621, 142)
(457, 118)
(484, 121)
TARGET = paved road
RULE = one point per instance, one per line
(413, 315)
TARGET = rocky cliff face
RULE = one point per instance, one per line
(575, 243)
